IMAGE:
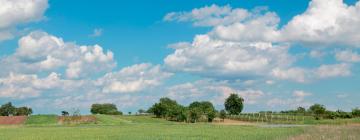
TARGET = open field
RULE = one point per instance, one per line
(44, 127)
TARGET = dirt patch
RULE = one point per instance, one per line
(12, 120)
(76, 119)
(231, 122)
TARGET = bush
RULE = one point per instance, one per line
(107, 109)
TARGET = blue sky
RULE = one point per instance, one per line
(60, 55)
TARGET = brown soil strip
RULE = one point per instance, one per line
(12, 120)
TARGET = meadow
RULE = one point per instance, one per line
(106, 127)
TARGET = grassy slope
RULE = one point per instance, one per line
(148, 131)
(41, 120)
(139, 128)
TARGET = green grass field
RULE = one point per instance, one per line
(41, 120)
(45, 127)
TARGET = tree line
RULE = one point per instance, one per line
(196, 111)
(319, 111)
(8, 109)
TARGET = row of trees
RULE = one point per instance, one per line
(171, 110)
(9, 110)
(196, 111)
(319, 111)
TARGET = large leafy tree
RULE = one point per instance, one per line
(109, 109)
(317, 110)
(205, 108)
(234, 104)
(167, 108)
(7, 109)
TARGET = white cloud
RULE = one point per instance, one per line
(217, 58)
(97, 32)
(301, 94)
(133, 79)
(335, 70)
(303, 75)
(342, 96)
(347, 56)
(25, 86)
(294, 74)
(41, 52)
(14, 12)
(209, 15)
(298, 100)
(326, 22)
(214, 91)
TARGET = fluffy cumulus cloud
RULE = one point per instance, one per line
(31, 85)
(14, 12)
(347, 56)
(298, 99)
(250, 43)
(41, 52)
(133, 79)
(325, 21)
(44, 68)
(302, 75)
(217, 58)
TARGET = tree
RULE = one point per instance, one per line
(141, 111)
(23, 111)
(166, 108)
(108, 109)
(222, 114)
(7, 109)
(234, 104)
(64, 113)
(194, 114)
(205, 108)
(356, 112)
(300, 110)
(317, 110)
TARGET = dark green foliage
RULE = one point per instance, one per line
(234, 104)
(318, 110)
(167, 108)
(23, 111)
(356, 112)
(108, 109)
(141, 111)
(205, 108)
(171, 110)
(300, 110)
(9, 110)
(64, 113)
(222, 114)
